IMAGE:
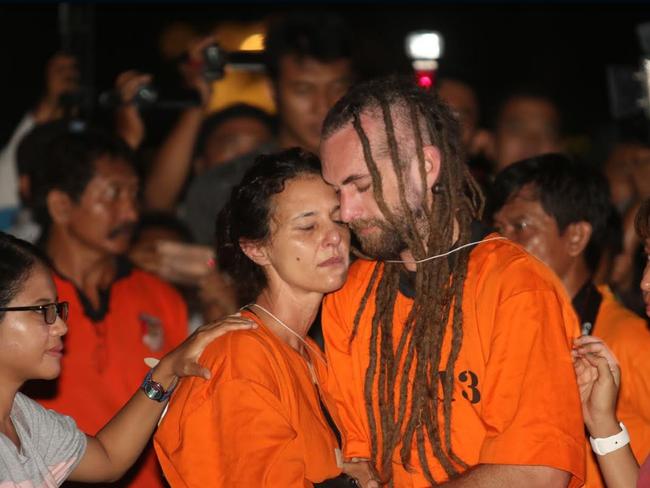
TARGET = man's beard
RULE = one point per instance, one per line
(383, 243)
(386, 242)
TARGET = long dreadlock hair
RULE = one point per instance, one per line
(412, 119)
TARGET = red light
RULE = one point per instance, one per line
(425, 81)
(425, 78)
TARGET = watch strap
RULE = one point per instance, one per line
(155, 390)
(605, 445)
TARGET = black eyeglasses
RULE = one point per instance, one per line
(49, 311)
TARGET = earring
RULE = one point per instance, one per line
(437, 188)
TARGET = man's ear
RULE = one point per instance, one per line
(272, 91)
(25, 188)
(59, 206)
(198, 164)
(578, 235)
(431, 164)
(255, 251)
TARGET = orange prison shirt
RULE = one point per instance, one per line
(102, 365)
(515, 397)
(628, 337)
(256, 423)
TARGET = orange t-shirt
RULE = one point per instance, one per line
(257, 422)
(102, 365)
(516, 399)
(628, 337)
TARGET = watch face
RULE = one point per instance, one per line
(153, 390)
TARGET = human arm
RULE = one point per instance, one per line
(128, 122)
(61, 76)
(119, 443)
(598, 376)
(173, 162)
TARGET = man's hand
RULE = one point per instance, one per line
(362, 472)
(129, 124)
(61, 76)
(192, 69)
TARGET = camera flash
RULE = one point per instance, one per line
(424, 44)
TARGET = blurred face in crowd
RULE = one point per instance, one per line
(462, 100)
(304, 91)
(29, 347)
(628, 171)
(344, 167)
(233, 138)
(104, 217)
(309, 245)
(523, 220)
(645, 281)
(526, 127)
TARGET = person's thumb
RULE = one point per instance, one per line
(604, 373)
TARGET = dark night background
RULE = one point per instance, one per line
(565, 48)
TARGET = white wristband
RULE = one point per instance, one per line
(605, 445)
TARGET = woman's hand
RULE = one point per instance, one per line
(184, 360)
(117, 446)
(598, 376)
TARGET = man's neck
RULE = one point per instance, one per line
(87, 268)
(576, 276)
(407, 255)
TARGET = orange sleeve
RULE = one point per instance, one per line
(633, 353)
(343, 377)
(531, 405)
(239, 438)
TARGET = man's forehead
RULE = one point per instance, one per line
(107, 167)
(294, 67)
(524, 199)
(342, 154)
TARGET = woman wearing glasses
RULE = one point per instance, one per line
(39, 447)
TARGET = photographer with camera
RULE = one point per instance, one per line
(173, 163)
(61, 77)
(309, 63)
(128, 122)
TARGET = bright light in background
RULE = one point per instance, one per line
(424, 45)
(254, 42)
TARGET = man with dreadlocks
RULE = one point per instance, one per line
(450, 358)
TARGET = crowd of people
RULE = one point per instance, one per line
(367, 287)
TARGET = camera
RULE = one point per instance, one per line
(215, 60)
(629, 87)
(213, 65)
(145, 97)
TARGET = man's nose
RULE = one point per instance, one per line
(349, 209)
(128, 209)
